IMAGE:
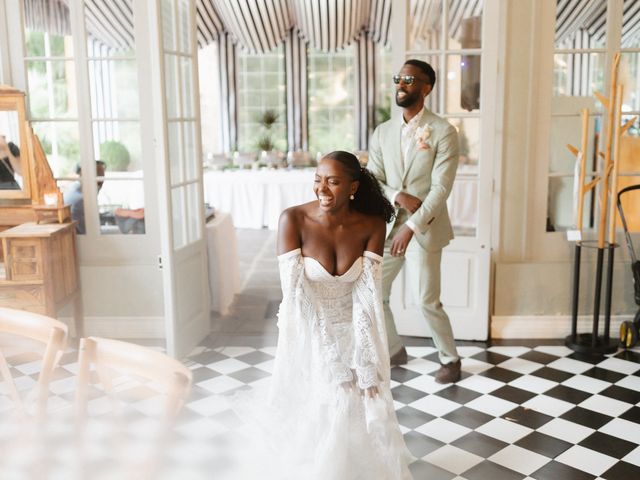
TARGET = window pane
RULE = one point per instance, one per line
(566, 128)
(331, 100)
(629, 76)
(118, 145)
(183, 26)
(192, 163)
(121, 203)
(426, 25)
(630, 31)
(61, 144)
(578, 74)
(52, 86)
(114, 88)
(179, 217)
(193, 211)
(561, 214)
(39, 43)
(175, 152)
(169, 25)
(171, 85)
(385, 89)
(186, 78)
(465, 24)
(462, 83)
(581, 24)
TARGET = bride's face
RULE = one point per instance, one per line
(332, 185)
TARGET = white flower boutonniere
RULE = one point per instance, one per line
(422, 136)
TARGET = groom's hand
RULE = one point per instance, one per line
(408, 202)
(400, 241)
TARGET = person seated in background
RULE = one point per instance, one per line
(9, 164)
(130, 220)
(73, 196)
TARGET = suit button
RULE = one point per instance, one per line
(404, 187)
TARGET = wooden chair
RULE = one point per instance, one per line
(114, 360)
(48, 331)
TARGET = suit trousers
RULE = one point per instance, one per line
(423, 271)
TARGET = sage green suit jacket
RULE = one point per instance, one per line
(427, 173)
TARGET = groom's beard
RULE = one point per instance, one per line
(409, 100)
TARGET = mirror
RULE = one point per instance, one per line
(14, 146)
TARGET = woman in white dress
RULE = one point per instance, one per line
(329, 413)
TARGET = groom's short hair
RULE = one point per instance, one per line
(425, 68)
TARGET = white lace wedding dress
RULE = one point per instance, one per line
(315, 421)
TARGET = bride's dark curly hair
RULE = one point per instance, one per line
(369, 198)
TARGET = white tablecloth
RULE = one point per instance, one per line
(256, 198)
(222, 249)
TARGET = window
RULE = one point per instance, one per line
(384, 84)
(262, 122)
(331, 90)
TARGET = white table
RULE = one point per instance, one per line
(222, 249)
(255, 198)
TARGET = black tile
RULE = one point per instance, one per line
(203, 373)
(406, 395)
(559, 471)
(552, 374)
(272, 309)
(249, 375)
(604, 374)
(207, 357)
(539, 357)
(629, 355)
(622, 470)
(412, 417)
(607, 444)
(513, 394)
(543, 444)
(568, 394)
(490, 357)
(423, 470)
(487, 469)
(468, 417)
(458, 394)
(633, 415)
(420, 445)
(527, 417)
(254, 358)
(622, 394)
(501, 374)
(587, 418)
(402, 375)
(479, 444)
(586, 358)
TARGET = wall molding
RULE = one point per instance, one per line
(547, 326)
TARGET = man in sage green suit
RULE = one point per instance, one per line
(415, 158)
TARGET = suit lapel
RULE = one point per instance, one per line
(413, 147)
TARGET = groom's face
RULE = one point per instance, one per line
(410, 94)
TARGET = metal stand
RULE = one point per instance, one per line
(592, 343)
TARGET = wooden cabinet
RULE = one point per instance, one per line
(40, 271)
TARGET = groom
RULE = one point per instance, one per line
(415, 159)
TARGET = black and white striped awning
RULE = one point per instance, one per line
(111, 22)
(379, 21)
(208, 23)
(426, 16)
(50, 16)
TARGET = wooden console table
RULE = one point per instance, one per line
(40, 270)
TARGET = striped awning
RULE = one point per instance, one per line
(256, 25)
(50, 16)
(330, 26)
(379, 21)
(111, 22)
(208, 23)
(426, 16)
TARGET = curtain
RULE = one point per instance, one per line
(296, 75)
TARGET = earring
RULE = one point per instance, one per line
(352, 197)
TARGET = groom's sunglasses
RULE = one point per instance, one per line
(406, 79)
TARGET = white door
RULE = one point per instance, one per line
(180, 192)
(453, 37)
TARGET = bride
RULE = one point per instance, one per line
(329, 413)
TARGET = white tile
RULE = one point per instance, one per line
(521, 365)
(565, 430)
(266, 366)
(435, 405)
(269, 350)
(509, 351)
(606, 405)
(404, 429)
(631, 382)
(534, 384)
(453, 459)
(420, 351)
(202, 429)
(619, 365)
(519, 459)
(236, 351)
(23, 382)
(469, 351)
(586, 384)
(426, 383)
(587, 460)
(443, 430)
(29, 368)
(633, 457)
(504, 430)
(624, 429)
(421, 365)
(491, 405)
(393, 384)
(64, 385)
(473, 366)
(220, 384)
(548, 405)
(557, 350)
(228, 365)
(480, 384)
(570, 365)
(209, 406)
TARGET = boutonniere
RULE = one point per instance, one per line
(422, 136)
